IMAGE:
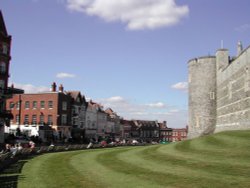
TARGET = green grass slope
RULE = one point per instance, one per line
(220, 160)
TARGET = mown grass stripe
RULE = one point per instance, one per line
(221, 160)
(52, 170)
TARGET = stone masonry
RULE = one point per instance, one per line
(219, 92)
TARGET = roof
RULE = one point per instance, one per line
(109, 111)
(3, 29)
(74, 94)
(146, 123)
(95, 105)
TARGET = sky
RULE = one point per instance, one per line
(130, 55)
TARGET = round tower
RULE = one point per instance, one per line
(202, 96)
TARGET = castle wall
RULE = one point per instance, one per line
(233, 94)
(202, 98)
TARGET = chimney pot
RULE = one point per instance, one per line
(61, 88)
(53, 87)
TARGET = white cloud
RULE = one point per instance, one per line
(153, 111)
(242, 28)
(156, 105)
(29, 88)
(65, 75)
(180, 86)
(116, 99)
(136, 14)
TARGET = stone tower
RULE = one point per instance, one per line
(219, 92)
(202, 96)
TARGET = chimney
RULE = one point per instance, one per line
(165, 124)
(53, 87)
(60, 88)
(239, 48)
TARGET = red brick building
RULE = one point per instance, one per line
(165, 132)
(32, 111)
(172, 134)
(179, 134)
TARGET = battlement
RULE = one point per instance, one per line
(219, 92)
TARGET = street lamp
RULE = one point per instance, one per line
(19, 114)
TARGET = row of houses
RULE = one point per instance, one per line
(63, 115)
(60, 115)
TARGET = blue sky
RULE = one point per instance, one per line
(128, 55)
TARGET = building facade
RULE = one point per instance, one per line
(33, 111)
(179, 134)
(102, 119)
(91, 120)
(5, 91)
(148, 130)
(219, 99)
(114, 128)
(78, 114)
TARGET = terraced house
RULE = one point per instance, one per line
(34, 112)
(5, 91)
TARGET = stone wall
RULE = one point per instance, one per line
(202, 101)
(233, 94)
(219, 93)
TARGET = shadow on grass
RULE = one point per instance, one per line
(9, 177)
(9, 181)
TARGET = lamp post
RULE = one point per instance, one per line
(19, 113)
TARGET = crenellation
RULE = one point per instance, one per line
(229, 81)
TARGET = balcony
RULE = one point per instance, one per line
(7, 93)
(4, 73)
(11, 91)
(6, 114)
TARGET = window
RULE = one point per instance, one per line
(50, 104)
(5, 49)
(42, 104)
(82, 124)
(41, 119)
(17, 105)
(247, 80)
(34, 122)
(12, 105)
(64, 119)
(26, 119)
(34, 104)
(212, 97)
(50, 119)
(64, 105)
(27, 104)
(2, 67)
(197, 122)
(17, 119)
(2, 86)
(74, 121)
(230, 90)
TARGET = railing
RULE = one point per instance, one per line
(6, 114)
(4, 73)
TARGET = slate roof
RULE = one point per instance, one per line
(3, 29)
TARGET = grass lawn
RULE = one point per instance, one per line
(221, 160)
